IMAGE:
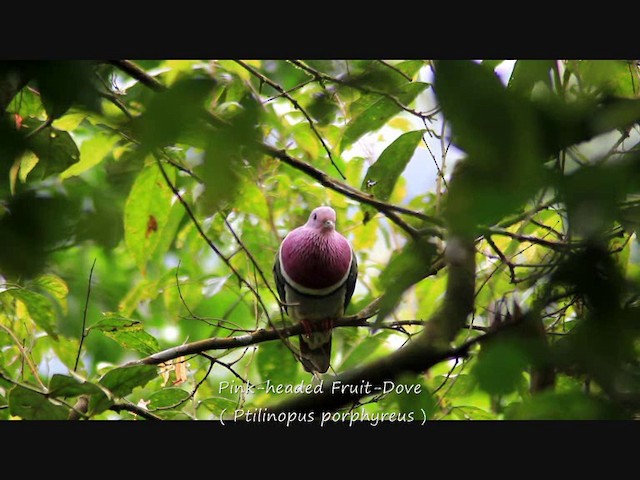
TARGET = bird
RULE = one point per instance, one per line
(315, 271)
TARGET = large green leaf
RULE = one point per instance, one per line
(121, 382)
(167, 397)
(275, 363)
(26, 104)
(55, 286)
(229, 153)
(40, 309)
(55, 149)
(65, 83)
(615, 77)
(406, 268)
(379, 110)
(563, 406)
(382, 176)
(92, 152)
(364, 351)
(174, 113)
(30, 405)
(501, 134)
(147, 212)
(65, 386)
(527, 73)
(128, 333)
(500, 367)
(38, 223)
(383, 77)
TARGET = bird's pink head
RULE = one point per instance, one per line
(322, 219)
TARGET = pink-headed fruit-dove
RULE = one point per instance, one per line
(315, 272)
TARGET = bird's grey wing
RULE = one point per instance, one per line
(280, 281)
(351, 281)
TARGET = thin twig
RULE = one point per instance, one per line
(25, 355)
(84, 317)
(504, 259)
(252, 258)
(326, 78)
(296, 105)
(395, 69)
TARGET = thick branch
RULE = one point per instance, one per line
(369, 379)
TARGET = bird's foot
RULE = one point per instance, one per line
(323, 326)
(327, 324)
(308, 328)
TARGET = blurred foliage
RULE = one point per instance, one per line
(541, 167)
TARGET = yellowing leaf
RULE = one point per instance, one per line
(401, 123)
(69, 122)
(92, 152)
(150, 197)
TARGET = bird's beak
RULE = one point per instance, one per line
(328, 224)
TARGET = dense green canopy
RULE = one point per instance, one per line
(492, 207)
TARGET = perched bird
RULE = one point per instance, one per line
(315, 272)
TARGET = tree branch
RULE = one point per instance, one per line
(252, 338)
(128, 407)
(84, 317)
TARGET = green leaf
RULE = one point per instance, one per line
(410, 67)
(411, 395)
(473, 413)
(228, 155)
(167, 397)
(406, 268)
(54, 285)
(382, 176)
(54, 148)
(40, 309)
(364, 351)
(92, 152)
(276, 363)
(614, 77)
(217, 404)
(146, 213)
(459, 385)
(491, 64)
(30, 405)
(128, 333)
(500, 367)
(121, 382)
(65, 386)
(527, 73)
(563, 406)
(65, 83)
(4, 407)
(501, 134)
(26, 104)
(69, 122)
(376, 114)
(174, 112)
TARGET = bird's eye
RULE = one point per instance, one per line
(315, 216)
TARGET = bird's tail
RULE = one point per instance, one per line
(315, 351)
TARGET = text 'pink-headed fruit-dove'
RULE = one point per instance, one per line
(315, 272)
